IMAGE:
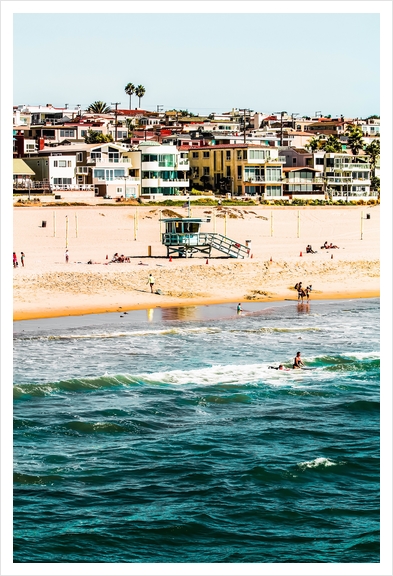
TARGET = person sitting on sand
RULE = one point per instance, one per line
(298, 362)
(309, 249)
(332, 246)
(115, 257)
(325, 245)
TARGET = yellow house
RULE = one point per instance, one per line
(241, 169)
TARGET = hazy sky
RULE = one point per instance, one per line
(203, 62)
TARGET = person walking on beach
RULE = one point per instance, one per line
(298, 362)
(151, 282)
(22, 259)
(66, 256)
(239, 308)
(14, 260)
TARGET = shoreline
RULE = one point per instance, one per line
(100, 309)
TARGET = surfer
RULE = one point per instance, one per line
(298, 362)
(280, 367)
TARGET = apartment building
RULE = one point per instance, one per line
(164, 169)
(241, 169)
(347, 177)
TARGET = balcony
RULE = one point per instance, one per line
(302, 180)
(107, 160)
(173, 183)
(350, 166)
(339, 180)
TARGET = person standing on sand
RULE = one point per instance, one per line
(298, 362)
(151, 282)
(66, 256)
(22, 259)
(239, 308)
(14, 260)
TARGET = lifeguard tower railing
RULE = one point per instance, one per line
(184, 238)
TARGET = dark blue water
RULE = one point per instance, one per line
(164, 436)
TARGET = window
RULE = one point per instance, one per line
(69, 163)
(62, 163)
(79, 156)
(195, 154)
(95, 155)
(228, 154)
(239, 154)
(244, 154)
(99, 174)
(239, 172)
(119, 190)
(83, 133)
(118, 173)
(256, 154)
(166, 160)
(67, 133)
(293, 161)
(319, 161)
(55, 163)
(206, 154)
(206, 171)
(196, 172)
(273, 190)
(228, 171)
(30, 147)
(273, 174)
(62, 180)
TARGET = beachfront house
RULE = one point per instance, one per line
(238, 169)
(164, 170)
(347, 177)
(303, 182)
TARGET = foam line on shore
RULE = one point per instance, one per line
(41, 313)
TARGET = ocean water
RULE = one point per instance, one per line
(163, 435)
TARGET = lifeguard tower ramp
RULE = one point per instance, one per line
(183, 237)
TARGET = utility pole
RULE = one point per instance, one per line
(293, 116)
(159, 108)
(244, 110)
(282, 113)
(115, 104)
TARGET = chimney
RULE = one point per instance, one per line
(41, 143)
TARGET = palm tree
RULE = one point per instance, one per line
(314, 144)
(130, 90)
(98, 107)
(140, 92)
(355, 141)
(332, 144)
(373, 150)
(130, 123)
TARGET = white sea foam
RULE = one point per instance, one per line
(218, 374)
(316, 463)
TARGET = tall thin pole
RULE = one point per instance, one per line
(189, 207)
(271, 223)
(66, 231)
(136, 218)
(361, 226)
(225, 223)
(135, 227)
(298, 223)
(54, 224)
(115, 104)
(160, 216)
(214, 222)
(76, 226)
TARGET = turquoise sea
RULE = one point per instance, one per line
(163, 435)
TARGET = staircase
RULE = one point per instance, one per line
(225, 245)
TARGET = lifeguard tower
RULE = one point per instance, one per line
(183, 237)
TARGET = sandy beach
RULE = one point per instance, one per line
(47, 286)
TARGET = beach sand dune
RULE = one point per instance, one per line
(48, 286)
